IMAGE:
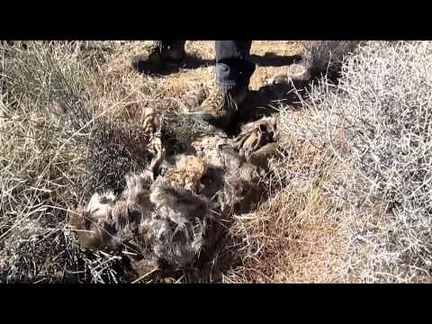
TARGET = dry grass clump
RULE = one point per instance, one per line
(55, 133)
(375, 123)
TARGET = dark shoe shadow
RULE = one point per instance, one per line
(190, 62)
(273, 59)
(268, 59)
(269, 98)
(194, 62)
(267, 101)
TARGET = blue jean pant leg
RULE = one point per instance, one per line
(234, 66)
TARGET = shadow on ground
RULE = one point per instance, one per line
(194, 62)
(268, 59)
(267, 101)
(273, 59)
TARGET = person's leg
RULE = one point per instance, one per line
(162, 55)
(234, 66)
(234, 69)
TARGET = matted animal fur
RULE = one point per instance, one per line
(163, 216)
